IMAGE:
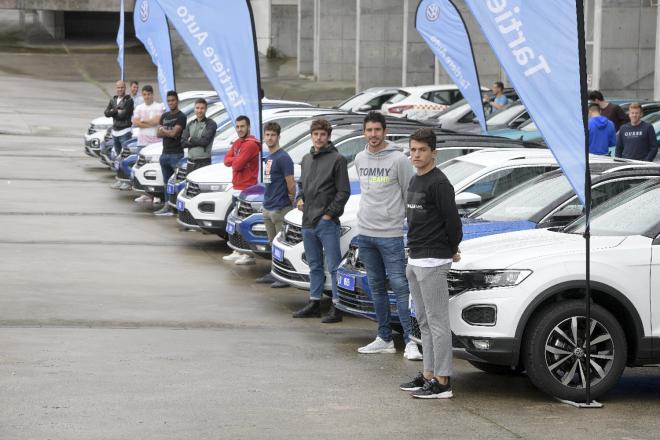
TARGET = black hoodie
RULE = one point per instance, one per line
(323, 185)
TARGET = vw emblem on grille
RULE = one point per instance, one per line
(285, 229)
(144, 10)
(432, 12)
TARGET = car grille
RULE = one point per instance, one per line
(357, 300)
(244, 209)
(141, 161)
(186, 217)
(192, 190)
(456, 283)
(181, 174)
(292, 234)
(286, 270)
(171, 199)
(353, 257)
(237, 241)
(125, 152)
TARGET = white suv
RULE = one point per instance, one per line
(517, 299)
(422, 102)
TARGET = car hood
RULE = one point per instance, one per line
(102, 120)
(214, 173)
(254, 193)
(151, 149)
(475, 228)
(348, 219)
(525, 249)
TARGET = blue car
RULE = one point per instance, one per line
(544, 202)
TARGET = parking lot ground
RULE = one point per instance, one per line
(115, 324)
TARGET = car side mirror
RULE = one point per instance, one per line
(364, 108)
(468, 200)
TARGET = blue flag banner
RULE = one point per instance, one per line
(151, 29)
(538, 45)
(120, 40)
(220, 35)
(443, 29)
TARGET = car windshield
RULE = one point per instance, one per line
(633, 212)
(505, 115)
(302, 146)
(350, 102)
(653, 119)
(525, 201)
(458, 170)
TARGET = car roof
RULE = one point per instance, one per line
(429, 88)
(488, 157)
(376, 90)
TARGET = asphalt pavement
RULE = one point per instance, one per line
(115, 324)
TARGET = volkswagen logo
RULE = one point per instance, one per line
(432, 12)
(144, 10)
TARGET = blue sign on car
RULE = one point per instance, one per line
(231, 228)
(179, 205)
(345, 281)
(170, 188)
(278, 253)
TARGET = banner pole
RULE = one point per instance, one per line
(260, 93)
(169, 40)
(587, 203)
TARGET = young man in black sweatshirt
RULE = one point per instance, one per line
(434, 233)
(636, 139)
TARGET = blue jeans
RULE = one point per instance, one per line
(118, 141)
(385, 258)
(322, 239)
(168, 164)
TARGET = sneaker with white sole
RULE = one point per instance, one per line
(143, 199)
(378, 345)
(157, 201)
(414, 385)
(116, 185)
(125, 186)
(432, 389)
(412, 352)
(232, 257)
(245, 260)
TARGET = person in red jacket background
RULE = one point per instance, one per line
(243, 158)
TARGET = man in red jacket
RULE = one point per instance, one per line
(243, 158)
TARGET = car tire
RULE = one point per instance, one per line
(554, 357)
(503, 370)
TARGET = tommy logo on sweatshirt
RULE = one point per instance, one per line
(375, 175)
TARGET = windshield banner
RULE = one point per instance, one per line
(442, 27)
(152, 30)
(120, 40)
(540, 48)
(220, 35)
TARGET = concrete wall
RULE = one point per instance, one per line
(336, 40)
(628, 48)
(262, 23)
(305, 37)
(284, 29)
(380, 42)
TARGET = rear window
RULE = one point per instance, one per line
(398, 97)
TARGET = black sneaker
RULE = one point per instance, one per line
(416, 384)
(433, 390)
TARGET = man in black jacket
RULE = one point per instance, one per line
(323, 191)
(198, 137)
(120, 109)
(434, 233)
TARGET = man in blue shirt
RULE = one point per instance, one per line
(601, 132)
(498, 101)
(280, 190)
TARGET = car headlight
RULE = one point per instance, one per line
(489, 279)
(214, 187)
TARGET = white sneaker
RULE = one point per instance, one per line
(157, 201)
(245, 260)
(378, 345)
(233, 256)
(412, 352)
(143, 199)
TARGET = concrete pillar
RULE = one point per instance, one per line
(305, 37)
(336, 40)
(262, 24)
(656, 79)
(52, 22)
(284, 29)
(378, 58)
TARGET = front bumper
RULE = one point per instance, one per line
(206, 211)
(502, 351)
(149, 178)
(354, 294)
(244, 239)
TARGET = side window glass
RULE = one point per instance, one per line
(604, 192)
(427, 96)
(441, 97)
(351, 148)
(469, 117)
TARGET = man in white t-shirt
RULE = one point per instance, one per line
(146, 118)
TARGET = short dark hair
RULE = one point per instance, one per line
(374, 116)
(173, 93)
(499, 84)
(595, 95)
(321, 124)
(135, 82)
(243, 118)
(272, 126)
(201, 101)
(147, 88)
(425, 135)
(594, 107)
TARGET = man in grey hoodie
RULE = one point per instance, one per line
(384, 173)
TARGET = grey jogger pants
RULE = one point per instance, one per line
(428, 288)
